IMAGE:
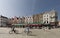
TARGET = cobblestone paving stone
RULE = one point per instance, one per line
(36, 33)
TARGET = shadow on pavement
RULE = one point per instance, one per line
(15, 33)
(32, 35)
(11, 33)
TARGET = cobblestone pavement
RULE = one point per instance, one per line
(36, 33)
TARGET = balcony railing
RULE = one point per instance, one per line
(53, 17)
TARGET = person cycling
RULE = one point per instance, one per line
(13, 28)
(27, 30)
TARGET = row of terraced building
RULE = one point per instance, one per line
(48, 17)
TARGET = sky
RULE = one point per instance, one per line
(11, 8)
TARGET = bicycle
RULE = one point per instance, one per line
(13, 31)
(27, 32)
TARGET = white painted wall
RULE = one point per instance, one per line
(46, 17)
(59, 23)
(50, 14)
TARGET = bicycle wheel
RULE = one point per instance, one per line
(16, 31)
(28, 32)
(11, 32)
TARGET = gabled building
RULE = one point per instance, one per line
(28, 19)
(17, 20)
(50, 17)
(21, 20)
(38, 18)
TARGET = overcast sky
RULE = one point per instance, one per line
(11, 8)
